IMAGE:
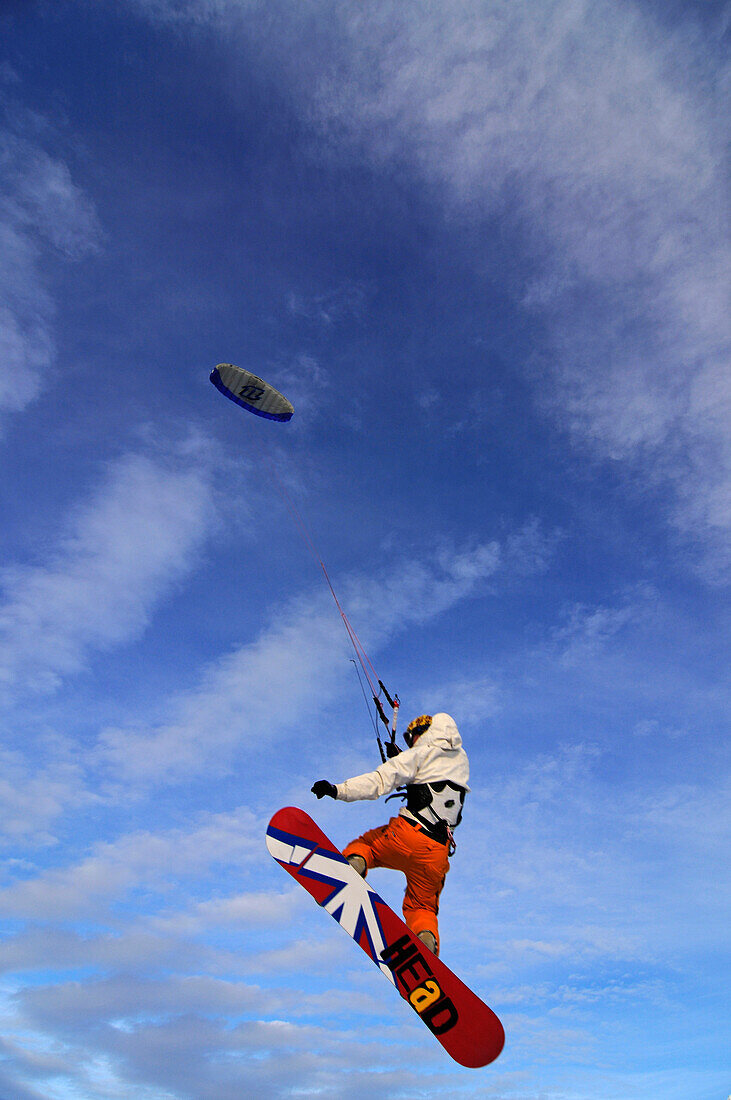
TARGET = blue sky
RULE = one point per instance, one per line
(483, 248)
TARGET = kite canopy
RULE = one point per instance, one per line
(250, 392)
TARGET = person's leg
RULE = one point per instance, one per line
(402, 847)
(373, 849)
(425, 876)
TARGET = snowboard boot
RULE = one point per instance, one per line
(358, 864)
(429, 940)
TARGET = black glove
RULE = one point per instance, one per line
(322, 788)
(392, 749)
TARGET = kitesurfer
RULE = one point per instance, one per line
(433, 772)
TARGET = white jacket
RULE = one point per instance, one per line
(436, 756)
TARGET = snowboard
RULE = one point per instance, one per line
(469, 1031)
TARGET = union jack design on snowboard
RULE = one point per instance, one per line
(467, 1029)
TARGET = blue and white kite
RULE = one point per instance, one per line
(250, 392)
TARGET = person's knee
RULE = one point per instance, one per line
(422, 921)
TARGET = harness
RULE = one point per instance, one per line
(437, 807)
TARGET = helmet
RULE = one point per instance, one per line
(416, 728)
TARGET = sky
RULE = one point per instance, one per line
(483, 248)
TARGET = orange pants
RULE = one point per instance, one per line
(425, 862)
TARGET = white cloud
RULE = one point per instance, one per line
(602, 889)
(163, 1008)
(251, 693)
(592, 131)
(165, 1053)
(125, 1002)
(194, 11)
(124, 550)
(26, 350)
(303, 382)
(652, 727)
(134, 949)
(238, 911)
(590, 629)
(40, 206)
(153, 860)
(468, 700)
(277, 682)
(588, 129)
(331, 306)
(32, 796)
(43, 198)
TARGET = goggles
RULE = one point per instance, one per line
(416, 728)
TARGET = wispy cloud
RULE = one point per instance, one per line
(652, 727)
(42, 212)
(303, 381)
(32, 797)
(619, 198)
(123, 550)
(588, 630)
(148, 860)
(588, 898)
(276, 683)
(603, 891)
(469, 700)
(329, 307)
(593, 133)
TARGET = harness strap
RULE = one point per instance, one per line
(441, 833)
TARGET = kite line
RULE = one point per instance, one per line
(255, 395)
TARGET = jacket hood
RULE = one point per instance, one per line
(443, 732)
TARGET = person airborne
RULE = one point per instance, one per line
(433, 772)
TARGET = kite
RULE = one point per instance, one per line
(250, 392)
